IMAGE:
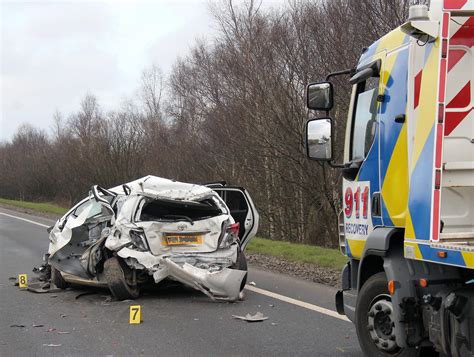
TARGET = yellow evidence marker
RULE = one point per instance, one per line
(22, 281)
(135, 314)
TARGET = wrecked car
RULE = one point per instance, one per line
(155, 229)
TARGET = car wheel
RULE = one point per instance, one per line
(115, 275)
(57, 279)
(374, 320)
(241, 264)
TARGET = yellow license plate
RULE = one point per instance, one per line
(175, 239)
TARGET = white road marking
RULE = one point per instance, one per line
(24, 219)
(284, 298)
(299, 303)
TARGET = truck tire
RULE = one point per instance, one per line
(57, 279)
(374, 321)
(114, 275)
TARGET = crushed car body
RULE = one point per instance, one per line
(156, 229)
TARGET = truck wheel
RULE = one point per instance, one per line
(57, 279)
(114, 275)
(374, 320)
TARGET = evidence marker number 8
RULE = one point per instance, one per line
(22, 281)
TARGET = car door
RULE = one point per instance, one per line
(241, 208)
(79, 230)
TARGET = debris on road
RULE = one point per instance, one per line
(251, 318)
(107, 301)
(253, 283)
(41, 287)
(17, 325)
(63, 315)
(52, 345)
(63, 332)
(37, 325)
(43, 272)
(41, 283)
(85, 294)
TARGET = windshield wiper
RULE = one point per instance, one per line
(179, 217)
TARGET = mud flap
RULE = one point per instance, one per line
(340, 303)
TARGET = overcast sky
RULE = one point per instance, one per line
(54, 52)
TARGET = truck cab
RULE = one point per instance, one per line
(407, 219)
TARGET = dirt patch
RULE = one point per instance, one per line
(304, 271)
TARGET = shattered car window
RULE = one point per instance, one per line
(94, 208)
(168, 210)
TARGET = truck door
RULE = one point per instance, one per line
(393, 137)
(361, 175)
(241, 209)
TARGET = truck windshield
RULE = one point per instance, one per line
(364, 125)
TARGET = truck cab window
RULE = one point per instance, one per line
(364, 118)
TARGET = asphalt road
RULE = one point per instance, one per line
(176, 321)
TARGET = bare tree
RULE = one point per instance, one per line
(232, 109)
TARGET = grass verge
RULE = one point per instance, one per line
(296, 252)
(38, 207)
(324, 257)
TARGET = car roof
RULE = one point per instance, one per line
(165, 188)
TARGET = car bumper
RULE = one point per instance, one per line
(209, 273)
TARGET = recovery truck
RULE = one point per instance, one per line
(407, 223)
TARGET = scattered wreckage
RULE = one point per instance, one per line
(153, 229)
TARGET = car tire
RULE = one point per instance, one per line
(57, 279)
(114, 275)
(241, 261)
(373, 294)
(241, 264)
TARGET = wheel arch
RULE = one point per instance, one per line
(377, 245)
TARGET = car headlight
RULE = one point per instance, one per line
(139, 240)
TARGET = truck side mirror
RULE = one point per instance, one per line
(319, 139)
(319, 96)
